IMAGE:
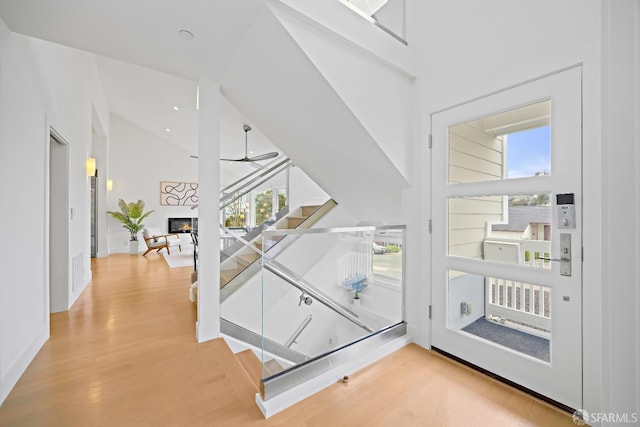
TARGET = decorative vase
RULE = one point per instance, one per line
(133, 247)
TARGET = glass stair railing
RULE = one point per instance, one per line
(305, 296)
(334, 294)
(296, 321)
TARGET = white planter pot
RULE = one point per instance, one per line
(356, 301)
(133, 247)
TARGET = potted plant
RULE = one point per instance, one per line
(356, 297)
(131, 216)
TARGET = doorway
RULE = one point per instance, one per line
(507, 237)
(58, 224)
(94, 216)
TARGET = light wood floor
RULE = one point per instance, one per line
(125, 355)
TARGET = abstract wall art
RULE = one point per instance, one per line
(178, 193)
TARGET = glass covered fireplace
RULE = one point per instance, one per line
(182, 225)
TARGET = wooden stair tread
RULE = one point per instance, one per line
(248, 258)
(244, 260)
(272, 367)
(308, 210)
(227, 275)
(252, 366)
(293, 222)
(234, 371)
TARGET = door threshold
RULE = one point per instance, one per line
(508, 382)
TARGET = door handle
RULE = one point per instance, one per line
(565, 252)
(564, 259)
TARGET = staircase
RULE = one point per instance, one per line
(254, 368)
(234, 266)
(236, 372)
(244, 370)
(324, 122)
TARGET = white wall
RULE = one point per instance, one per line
(468, 288)
(378, 93)
(24, 324)
(303, 190)
(138, 161)
(620, 209)
(41, 85)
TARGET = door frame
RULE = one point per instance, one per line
(573, 75)
(58, 217)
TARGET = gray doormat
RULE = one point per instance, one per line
(517, 340)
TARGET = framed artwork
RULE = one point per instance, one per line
(178, 193)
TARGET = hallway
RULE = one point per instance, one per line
(126, 355)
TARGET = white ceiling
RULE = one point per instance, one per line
(147, 98)
(145, 67)
(142, 32)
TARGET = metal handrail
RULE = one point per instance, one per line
(305, 286)
(298, 282)
(263, 175)
(261, 168)
(292, 339)
(255, 182)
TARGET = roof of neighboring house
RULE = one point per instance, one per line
(521, 216)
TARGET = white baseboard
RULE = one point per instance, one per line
(76, 295)
(207, 331)
(9, 379)
(123, 250)
(306, 389)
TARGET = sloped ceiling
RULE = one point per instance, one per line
(145, 67)
(142, 32)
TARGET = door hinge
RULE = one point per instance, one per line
(430, 226)
(429, 312)
(430, 140)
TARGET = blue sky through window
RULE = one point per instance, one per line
(529, 152)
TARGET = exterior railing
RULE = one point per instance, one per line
(515, 301)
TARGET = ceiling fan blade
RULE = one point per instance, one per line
(265, 156)
(244, 159)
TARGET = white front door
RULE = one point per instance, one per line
(507, 237)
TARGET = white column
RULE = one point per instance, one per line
(208, 324)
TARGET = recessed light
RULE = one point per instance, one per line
(175, 108)
(250, 152)
(186, 35)
(167, 130)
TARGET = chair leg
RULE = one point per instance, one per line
(180, 247)
(168, 251)
(148, 250)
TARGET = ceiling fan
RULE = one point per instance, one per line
(246, 157)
